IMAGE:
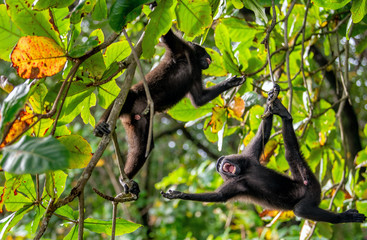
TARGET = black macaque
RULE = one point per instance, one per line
(246, 179)
(177, 75)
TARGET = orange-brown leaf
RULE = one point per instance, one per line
(237, 106)
(37, 57)
(24, 120)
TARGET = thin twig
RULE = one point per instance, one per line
(114, 216)
(287, 55)
(81, 216)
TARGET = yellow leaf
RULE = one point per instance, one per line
(37, 57)
(237, 106)
(268, 151)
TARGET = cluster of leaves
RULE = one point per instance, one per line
(74, 70)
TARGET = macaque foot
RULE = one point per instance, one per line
(130, 186)
(352, 215)
(235, 81)
(171, 194)
(102, 129)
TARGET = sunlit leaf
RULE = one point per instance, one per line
(100, 10)
(268, 151)
(55, 183)
(218, 119)
(44, 4)
(79, 148)
(37, 57)
(34, 155)
(185, 111)
(359, 10)
(9, 33)
(193, 16)
(159, 24)
(237, 107)
(331, 4)
(99, 226)
(31, 22)
(18, 191)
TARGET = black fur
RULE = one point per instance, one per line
(177, 75)
(245, 178)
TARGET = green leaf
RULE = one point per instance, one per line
(80, 50)
(8, 31)
(123, 11)
(55, 183)
(83, 8)
(30, 22)
(107, 93)
(223, 42)
(10, 221)
(86, 115)
(19, 191)
(255, 117)
(67, 212)
(73, 234)
(12, 104)
(257, 9)
(74, 103)
(36, 99)
(35, 155)
(359, 9)
(100, 226)
(185, 111)
(331, 4)
(44, 4)
(116, 52)
(193, 16)
(100, 10)
(159, 24)
(79, 148)
(36, 218)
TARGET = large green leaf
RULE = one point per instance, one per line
(116, 52)
(159, 24)
(185, 111)
(331, 4)
(359, 10)
(123, 11)
(12, 104)
(100, 226)
(30, 22)
(9, 33)
(35, 155)
(193, 16)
